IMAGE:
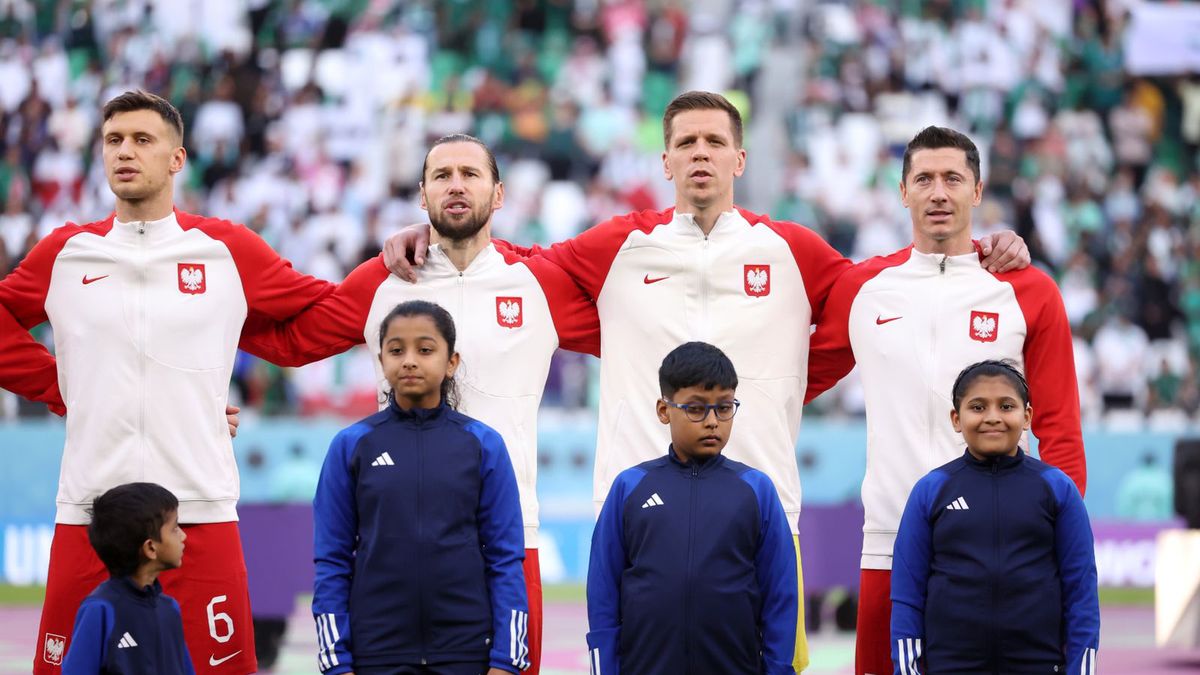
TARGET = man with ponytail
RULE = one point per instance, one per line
(511, 313)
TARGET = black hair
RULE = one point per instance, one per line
(463, 138)
(123, 519)
(444, 324)
(934, 138)
(696, 364)
(701, 100)
(1005, 368)
(143, 100)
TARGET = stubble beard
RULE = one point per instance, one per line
(463, 230)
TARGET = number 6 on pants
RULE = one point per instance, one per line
(222, 617)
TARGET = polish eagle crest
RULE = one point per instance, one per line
(757, 280)
(191, 278)
(984, 326)
(509, 312)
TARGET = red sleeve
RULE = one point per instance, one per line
(588, 256)
(830, 355)
(330, 326)
(272, 287)
(26, 366)
(1050, 370)
(573, 312)
(820, 265)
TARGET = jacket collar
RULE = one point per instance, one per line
(126, 586)
(686, 222)
(933, 261)
(1001, 463)
(697, 468)
(147, 231)
(439, 263)
(416, 415)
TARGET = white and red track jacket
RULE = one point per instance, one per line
(752, 287)
(913, 321)
(146, 319)
(510, 315)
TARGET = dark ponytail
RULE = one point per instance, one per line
(444, 324)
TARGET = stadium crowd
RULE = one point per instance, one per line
(308, 120)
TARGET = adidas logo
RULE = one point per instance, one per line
(959, 504)
(383, 460)
(126, 641)
(654, 500)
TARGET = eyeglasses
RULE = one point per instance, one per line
(698, 412)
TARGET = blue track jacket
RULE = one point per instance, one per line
(693, 570)
(995, 572)
(419, 545)
(124, 629)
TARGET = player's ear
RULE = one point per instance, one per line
(178, 158)
(660, 407)
(455, 359)
(955, 421)
(421, 191)
(150, 549)
(1028, 417)
(498, 196)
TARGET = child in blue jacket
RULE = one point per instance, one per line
(127, 626)
(693, 569)
(419, 538)
(994, 568)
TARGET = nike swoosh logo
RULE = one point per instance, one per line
(648, 280)
(214, 661)
(87, 281)
(880, 321)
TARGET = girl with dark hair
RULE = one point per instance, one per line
(419, 540)
(994, 568)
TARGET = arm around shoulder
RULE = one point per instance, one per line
(329, 326)
(1050, 369)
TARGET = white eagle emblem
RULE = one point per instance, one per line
(984, 326)
(757, 279)
(55, 645)
(508, 312)
(191, 278)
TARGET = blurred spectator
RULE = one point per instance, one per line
(1121, 350)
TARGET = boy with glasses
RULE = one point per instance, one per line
(692, 565)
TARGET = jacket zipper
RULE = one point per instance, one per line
(995, 647)
(421, 542)
(141, 333)
(687, 577)
(936, 417)
(704, 325)
(462, 293)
